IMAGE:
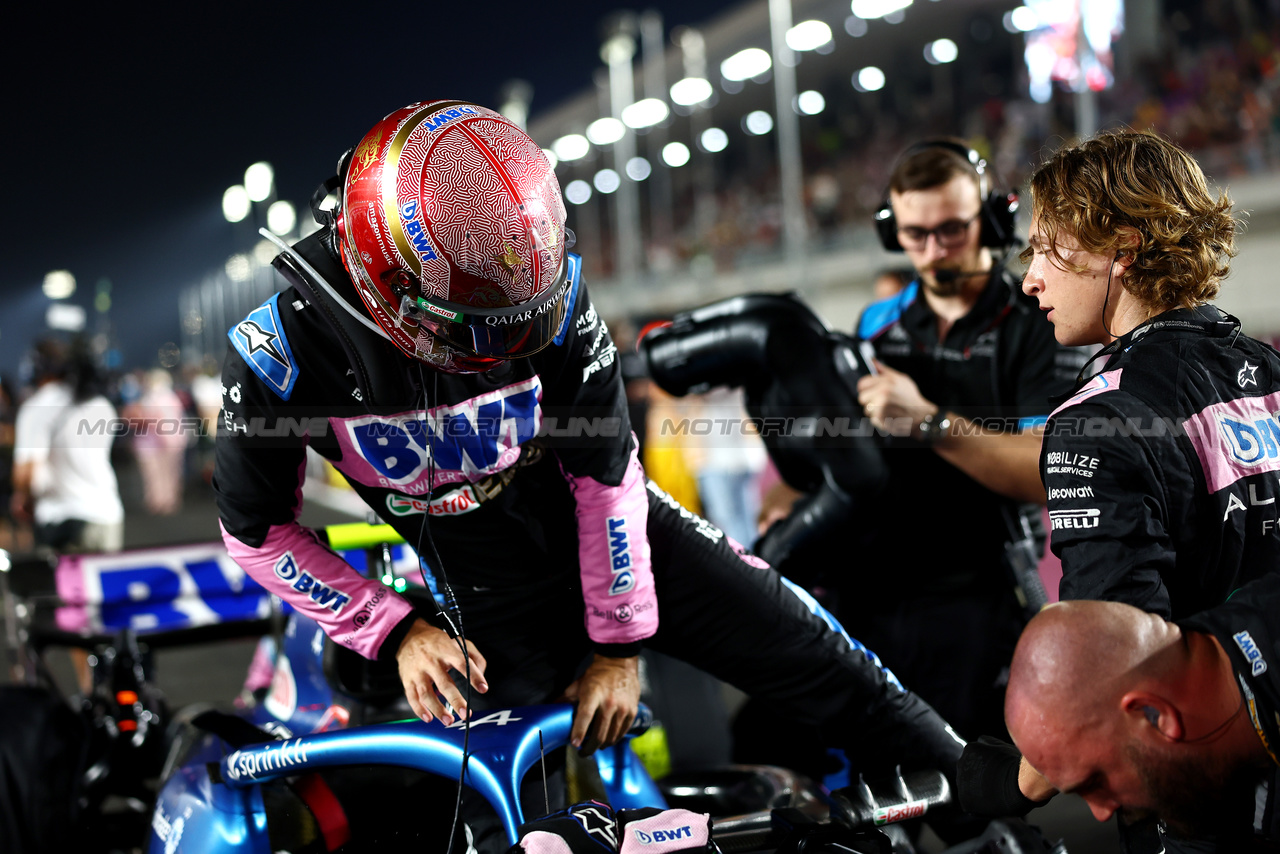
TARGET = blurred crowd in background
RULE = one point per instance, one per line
(1215, 91)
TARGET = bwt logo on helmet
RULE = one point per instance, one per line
(442, 118)
(414, 231)
(1250, 649)
(330, 598)
(624, 578)
(1251, 443)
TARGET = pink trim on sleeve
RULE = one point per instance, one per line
(293, 564)
(613, 553)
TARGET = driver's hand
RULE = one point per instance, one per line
(608, 697)
(426, 656)
(892, 401)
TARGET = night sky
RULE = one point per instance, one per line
(122, 129)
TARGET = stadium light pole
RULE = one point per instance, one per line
(655, 86)
(617, 52)
(788, 122)
(693, 51)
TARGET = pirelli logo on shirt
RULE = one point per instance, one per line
(1087, 517)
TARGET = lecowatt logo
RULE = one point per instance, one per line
(250, 765)
(624, 577)
(671, 835)
(1068, 492)
(1068, 519)
(1251, 652)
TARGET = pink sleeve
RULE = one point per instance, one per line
(293, 564)
(613, 552)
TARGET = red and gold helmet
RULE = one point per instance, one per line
(452, 228)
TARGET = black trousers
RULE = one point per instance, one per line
(737, 621)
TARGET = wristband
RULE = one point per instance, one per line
(932, 427)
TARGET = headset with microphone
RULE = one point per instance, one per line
(996, 214)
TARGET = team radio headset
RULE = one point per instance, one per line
(996, 215)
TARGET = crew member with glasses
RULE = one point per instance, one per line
(965, 369)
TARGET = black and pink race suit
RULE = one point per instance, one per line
(526, 480)
(1161, 470)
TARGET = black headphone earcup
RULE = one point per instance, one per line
(998, 212)
(887, 228)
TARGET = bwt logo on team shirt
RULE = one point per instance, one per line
(671, 835)
(624, 579)
(1251, 443)
(1251, 652)
(330, 598)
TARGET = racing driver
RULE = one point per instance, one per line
(439, 347)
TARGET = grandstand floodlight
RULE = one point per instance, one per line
(551, 157)
(690, 91)
(1021, 20)
(713, 140)
(258, 179)
(578, 192)
(235, 203)
(675, 154)
(757, 122)
(607, 181)
(645, 113)
(808, 35)
(746, 64)
(281, 217)
(264, 251)
(59, 284)
(605, 131)
(810, 103)
(238, 268)
(868, 9)
(869, 79)
(573, 146)
(855, 26)
(638, 168)
(941, 52)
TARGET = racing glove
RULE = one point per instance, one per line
(586, 828)
(987, 780)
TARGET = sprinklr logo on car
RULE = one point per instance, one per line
(251, 764)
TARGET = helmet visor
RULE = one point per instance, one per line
(511, 332)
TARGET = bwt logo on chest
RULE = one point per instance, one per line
(620, 564)
(1253, 442)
